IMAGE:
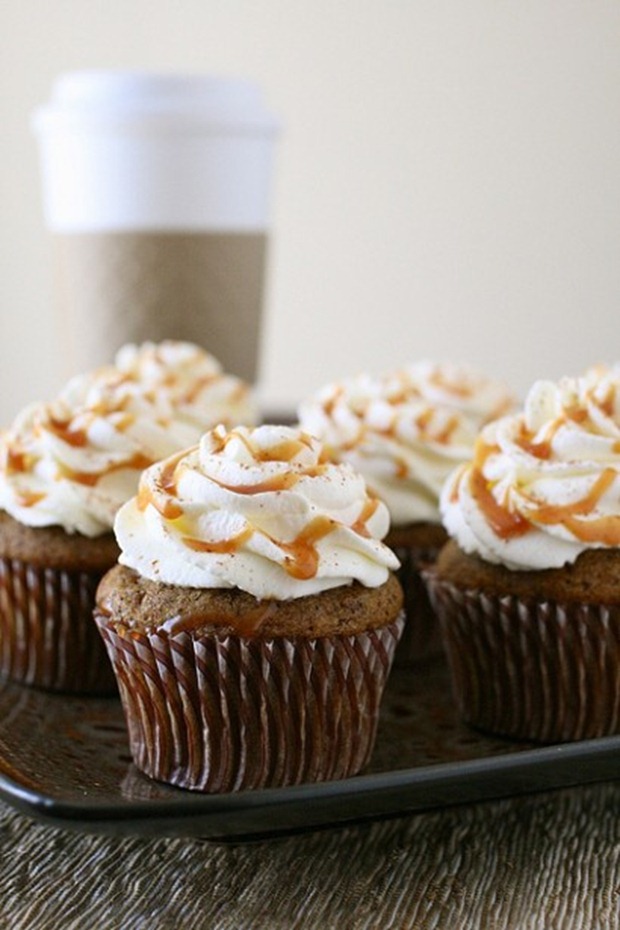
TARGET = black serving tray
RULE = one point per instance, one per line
(65, 760)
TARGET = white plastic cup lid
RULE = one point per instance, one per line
(142, 100)
(125, 150)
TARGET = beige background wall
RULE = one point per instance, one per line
(448, 180)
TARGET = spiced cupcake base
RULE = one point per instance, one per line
(528, 658)
(48, 580)
(211, 710)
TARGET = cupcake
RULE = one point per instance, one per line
(528, 588)
(405, 432)
(65, 468)
(254, 615)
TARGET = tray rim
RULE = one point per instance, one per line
(393, 793)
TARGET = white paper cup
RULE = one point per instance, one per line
(156, 189)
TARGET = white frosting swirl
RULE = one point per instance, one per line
(259, 510)
(405, 431)
(72, 462)
(184, 382)
(544, 484)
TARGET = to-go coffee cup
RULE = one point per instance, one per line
(156, 188)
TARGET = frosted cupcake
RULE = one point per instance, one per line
(254, 616)
(65, 469)
(528, 591)
(405, 432)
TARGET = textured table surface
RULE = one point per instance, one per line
(545, 861)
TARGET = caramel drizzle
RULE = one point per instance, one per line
(19, 461)
(164, 498)
(284, 451)
(247, 624)
(282, 482)
(542, 449)
(30, 498)
(422, 422)
(105, 407)
(605, 530)
(459, 390)
(168, 484)
(330, 403)
(508, 524)
(503, 522)
(301, 556)
(608, 403)
(360, 526)
(138, 462)
(67, 432)
(199, 385)
(220, 545)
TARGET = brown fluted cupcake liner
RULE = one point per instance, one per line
(47, 635)
(421, 637)
(226, 714)
(533, 670)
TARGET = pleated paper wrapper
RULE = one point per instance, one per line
(540, 671)
(222, 714)
(421, 639)
(48, 638)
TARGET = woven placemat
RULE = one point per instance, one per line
(544, 861)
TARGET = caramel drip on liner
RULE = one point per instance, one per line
(246, 624)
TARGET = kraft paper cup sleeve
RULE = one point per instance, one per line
(534, 670)
(221, 714)
(198, 286)
(157, 191)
